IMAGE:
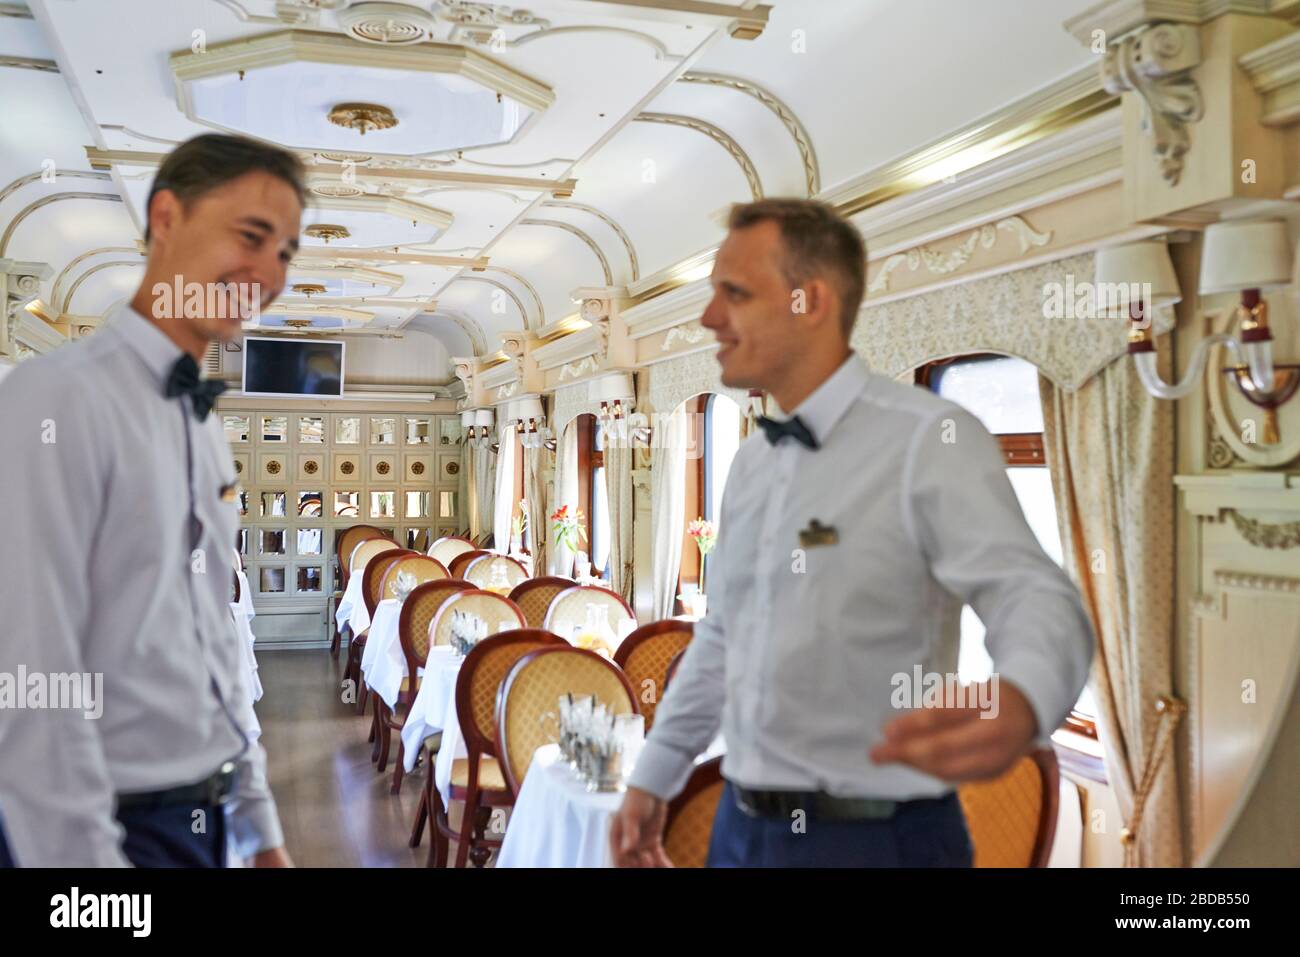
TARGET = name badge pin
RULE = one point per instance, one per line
(818, 534)
(230, 493)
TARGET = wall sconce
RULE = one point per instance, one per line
(617, 397)
(1239, 256)
(480, 433)
(530, 423)
(466, 426)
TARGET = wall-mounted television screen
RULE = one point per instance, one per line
(295, 368)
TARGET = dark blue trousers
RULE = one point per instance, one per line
(165, 837)
(921, 834)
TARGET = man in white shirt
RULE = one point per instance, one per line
(851, 535)
(115, 569)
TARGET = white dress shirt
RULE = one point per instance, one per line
(797, 656)
(99, 572)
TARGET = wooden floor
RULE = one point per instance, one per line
(334, 807)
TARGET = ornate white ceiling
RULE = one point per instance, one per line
(623, 133)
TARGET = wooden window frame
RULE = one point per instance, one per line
(695, 495)
(1019, 450)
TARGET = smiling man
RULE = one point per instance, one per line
(117, 561)
(851, 535)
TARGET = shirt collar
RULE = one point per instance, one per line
(822, 410)
(150, 343)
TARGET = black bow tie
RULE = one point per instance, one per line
(793, 427)
(184, 380)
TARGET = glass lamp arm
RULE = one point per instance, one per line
(1146, 367)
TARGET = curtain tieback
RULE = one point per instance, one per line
(1169, 712)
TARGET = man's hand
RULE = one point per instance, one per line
(275, 857)
(636, 835)
(957, 744)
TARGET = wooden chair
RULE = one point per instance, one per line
(448, 547)
(344, 542)
(372, 583)
(645, 656)
(569, 609)
(480, 571)
(476, 779)
(690, 816)
(424, 570)
(1012, 819)
(672, 668)
(457, 566)
(535, 595)
(533, 687)
(491, 607)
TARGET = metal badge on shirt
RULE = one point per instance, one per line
(818, 534)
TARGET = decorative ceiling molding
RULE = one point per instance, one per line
(661, 51)
(99, 267)
(802, 141)
(608, 221)
(473, 331)
(1274, 69)
(62, 305)
(1156, 63)
(537, 300)
(570, 228)
(108, 159)
(523, 313)
(16, 10)
(743, 22)
(316, 256)
(28, 63)
(1118, 17)
(550, 162)
(22, 181)
(137, 135)
(680, 305)
(943, 263)
(46, 201)
(718, 136)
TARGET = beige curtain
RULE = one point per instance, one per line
(504, 505)
(485, 464)
(469, 456)
(668, 509)
(618, 488)
(536, 463)
(565, 492)
(1110, 449)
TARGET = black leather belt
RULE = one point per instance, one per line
(820, 806)
(211, 791)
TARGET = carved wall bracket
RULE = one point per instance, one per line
(1156, 63)
(1283, 536)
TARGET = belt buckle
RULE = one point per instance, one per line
(221, 784)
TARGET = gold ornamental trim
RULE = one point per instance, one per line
(362, 117)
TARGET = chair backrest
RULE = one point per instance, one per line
(1012, 819)
(424, 569)
(347, 540)
(479, 571)
(372, 584)
(367, 549)
(532, 689)
(690, 816)
(417, 616)
(448, 547)
(479, 681)
(569, 608)
(672, 668)
(645, 655)
(457, 566)
(491, 607)
(535, 595)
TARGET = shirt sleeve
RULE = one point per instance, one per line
(968, 521)
(688, 717)
(56, 796)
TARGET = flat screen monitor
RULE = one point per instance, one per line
(286, 367)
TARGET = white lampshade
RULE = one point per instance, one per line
(467, 419)
(1245, 254)
(528, 408)
(483, 417)
(1127, 270)
(613, 387)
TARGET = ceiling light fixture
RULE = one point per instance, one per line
(362, 117)
(308, 289)
(327, 231)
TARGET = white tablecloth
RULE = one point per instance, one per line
(556, 822)
(433, 710)
(241, 612)
(351, 598)
(383, 665)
